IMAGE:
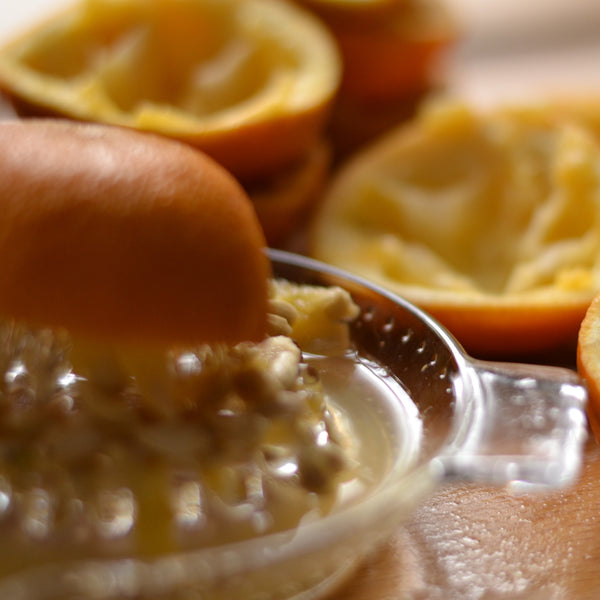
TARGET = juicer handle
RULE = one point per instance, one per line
(525, 428)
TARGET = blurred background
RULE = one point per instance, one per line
(513, 49)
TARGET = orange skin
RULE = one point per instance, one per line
(510, 333)
(588, 362)
(120, 235)
(381, 65)
(390, 49)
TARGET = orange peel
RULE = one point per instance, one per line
(392, 52)
(588, 362)
(116, 235)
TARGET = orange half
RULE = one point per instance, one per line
(249, 82)
(489, 221)
(392, 53)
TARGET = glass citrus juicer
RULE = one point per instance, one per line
(423, 413)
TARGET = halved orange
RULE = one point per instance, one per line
(588, 362)
(247, 81)
(393, 52)
(488, 220)
(126, 238)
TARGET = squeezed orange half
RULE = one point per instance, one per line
(247, 81)
(488, 220)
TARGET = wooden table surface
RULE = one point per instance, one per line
(473, 542)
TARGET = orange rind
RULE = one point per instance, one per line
(391, 53)
(588, 362)
(120, 236)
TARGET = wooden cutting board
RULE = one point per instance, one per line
(471, 542)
